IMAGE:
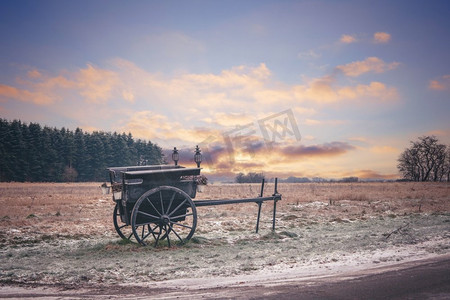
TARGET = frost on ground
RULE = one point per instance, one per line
(63, 234)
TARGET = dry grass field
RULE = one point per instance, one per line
(59, 233)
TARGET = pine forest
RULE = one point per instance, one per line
(35, 153)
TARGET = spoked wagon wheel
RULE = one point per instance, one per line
(124, 231)
(164, 213)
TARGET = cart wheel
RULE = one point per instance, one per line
(164, 213)
(124, 231)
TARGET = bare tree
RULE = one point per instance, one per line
(447, 164)
(249, 178)
(425, 160)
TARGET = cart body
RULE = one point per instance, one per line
(130, 183)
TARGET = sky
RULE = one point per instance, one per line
(289, 88)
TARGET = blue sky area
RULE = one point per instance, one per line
(358, 79)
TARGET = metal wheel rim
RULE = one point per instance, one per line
(165, 224)
(123, 230)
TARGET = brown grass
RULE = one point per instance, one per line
(39, 210)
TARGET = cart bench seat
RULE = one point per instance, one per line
(165, 174)
(136, 180)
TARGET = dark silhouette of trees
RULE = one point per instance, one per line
(293, 179)
(30, 152)
(425, 160)
(249, 178)
(350, 179)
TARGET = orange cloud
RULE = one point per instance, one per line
(358, 139)
(95, 84)
(162, 107)
(375, 90)
(304, 110)
(371, 174)
(34, 74)
(149, 125)
(347, 39)
(9, 92)
(441, 84)
(240, 88)
(252, 155)
(312, 122)
(381, 37)
(370, 64)
(230, 119)
(323, 90)
(237, 76)
(441, 133)
(384, 149)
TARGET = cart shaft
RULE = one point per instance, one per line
(258, 200)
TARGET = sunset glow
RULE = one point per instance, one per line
(358, 80)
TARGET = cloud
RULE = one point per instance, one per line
(159, 128)
(240, 88)
(439, 132)
(236, 77)
(128, 96)
(37, 97)
(378, 38)
(183, 108)
(233, 89)
(313, 122)
(370, 64)
(347, 39)
(374, 90)
(173, 44)
(371, 174)
(441, 84)
(311, 54)
(324, 90)
(327, 149)
(384, 149)
(37, 88)
(222, 160)
(304, 110)
(96, 85)
(253, 156)
(381, 37)
(359, 139)
(229, 119)
(34, 74)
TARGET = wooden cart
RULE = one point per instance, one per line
(154, 203)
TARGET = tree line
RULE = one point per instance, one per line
(249, 178)
(425, 160)
(30, 152)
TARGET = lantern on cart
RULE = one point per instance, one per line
(175, 156)
(198, 156)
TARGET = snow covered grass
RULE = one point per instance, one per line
(63, 233)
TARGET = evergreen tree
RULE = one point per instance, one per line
(35, 153)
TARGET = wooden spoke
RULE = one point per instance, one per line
(158, 211)
(148, 200)
(161, 199)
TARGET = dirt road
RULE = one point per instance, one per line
(419, 279)
(424, 279)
